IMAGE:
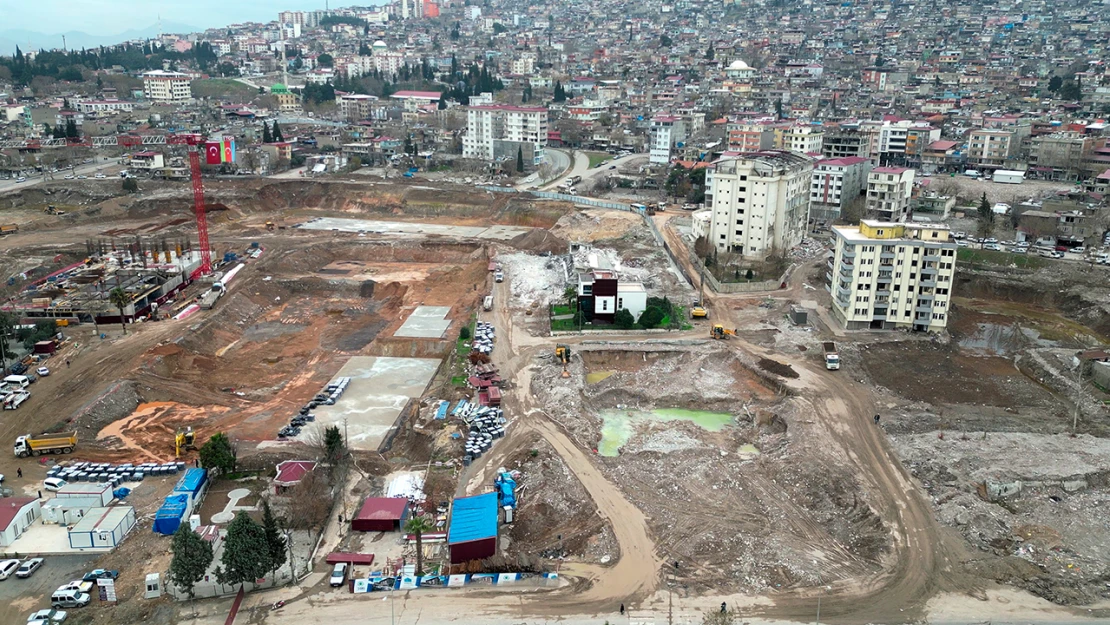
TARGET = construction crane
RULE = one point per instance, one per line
(562, 353)
(193, 143)
(184, 440)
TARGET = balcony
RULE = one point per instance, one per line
(931, 258)
(880, 315)
(930, 270)
(925, 310)
(848, 253)
(886, 256)
(885, 274)
(846, 272)
(927, 284)
(828, 277)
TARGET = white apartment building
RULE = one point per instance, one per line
(524, 64)
(835, 183)
(888, 193)
(804, 139)
(666, 132)
(498, 131)
(163, 86)
(886, 276)
(102, 106)
(760, 202)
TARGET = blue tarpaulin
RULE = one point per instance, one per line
(192, 482)
(441, 412)
(473, 518)
(170, 515)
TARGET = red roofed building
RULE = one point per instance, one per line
(290, 473)
(16, 515)
(381, 514)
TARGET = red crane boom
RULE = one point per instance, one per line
(202, 219)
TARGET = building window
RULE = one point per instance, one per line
(604, 305)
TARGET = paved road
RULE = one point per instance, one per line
(109, 168)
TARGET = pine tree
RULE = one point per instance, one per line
(191, 557)
(274, 538)
(246, 553)
(278, 137)
(266, 138)
(520, 159)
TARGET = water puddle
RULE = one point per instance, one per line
(748, 452)
(618, 426)
(597, 376)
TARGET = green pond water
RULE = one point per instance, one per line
(618, 425)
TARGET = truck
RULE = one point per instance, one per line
(573, 180)
(487, 303)
(208, 300)
(1007, 176)
(15, 398)
(28, 445)
(9, 229)
(832, 357)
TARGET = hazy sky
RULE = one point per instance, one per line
(109, 17)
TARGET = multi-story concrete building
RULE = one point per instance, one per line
(846, 142)
(835, 183)
(991, 149)
(355, 107)
(666, 132)
(102, 106)
(885, 276)
(163, 86)
(498, 131)
(750, 137)
(805, 139)
(888, 193)
(1060, 155)
(760, 202)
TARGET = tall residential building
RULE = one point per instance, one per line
(750, 137)
(495, 132)
(885, 276)
(846, 142)
(163, 86)
(760, 202)
(805, 139)
(991, 148)
(1059, 155)
(836, 182)
(666, 132)
(888, 193)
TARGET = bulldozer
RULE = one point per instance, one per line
(562, 353)
(53, 210)
(722, 333)
(698, 312)
(184, 440)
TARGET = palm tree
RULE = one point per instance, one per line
(120, 299)
(419, 525)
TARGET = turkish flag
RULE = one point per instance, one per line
(213, 152)
(228, 155)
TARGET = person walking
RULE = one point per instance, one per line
(622, 609)
(19, 472)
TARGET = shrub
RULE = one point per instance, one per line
(624, 319)
(464, 334)
(652, 317)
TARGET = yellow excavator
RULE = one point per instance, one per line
(269, 225)
(722, 333)
(562, 353)
(184, 440)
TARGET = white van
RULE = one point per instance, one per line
(21, 380)
(488, 302)
(7, 567)
(972, 173)
(69, 598)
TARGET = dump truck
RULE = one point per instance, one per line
(28, 445)
(9, 229)
(832, 357)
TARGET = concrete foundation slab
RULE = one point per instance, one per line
(370, 226)
(426, 322)
(47, 539)
(379, 389)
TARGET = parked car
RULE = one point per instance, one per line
(69, 599)
(42, 371)
(54, 483)
(29, 567)
(339, 575)
(1079, 250)
(79, 585)
(100, 176)
(46, 617)
(96, 574)
(21, 179)
(7, 567)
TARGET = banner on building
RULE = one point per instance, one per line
(213, 154)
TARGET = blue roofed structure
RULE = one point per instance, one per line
(472, 534)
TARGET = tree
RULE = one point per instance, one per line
(7, 322)
(266, 136)
(1072, 89)
(218, 454)
(71, 129)
(560, 93)
(191, 557)
(246, 552)
(986, 216)
(710, 53)
(664, 41)
(130, 185)
(278, 137)
(333, 444)
(520, 159)
(1055, 83)
(442, 104)
(464, 333)
(120, 299)
(570, 294)
(623, 319)
(652, 317)
(418, 526)
(325, 60)
(275, 540)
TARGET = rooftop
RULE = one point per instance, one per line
(11, 506)
(473, 518)
(383, 509)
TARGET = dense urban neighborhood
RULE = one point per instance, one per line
(441, 311)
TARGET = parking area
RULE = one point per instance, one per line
(20, 597)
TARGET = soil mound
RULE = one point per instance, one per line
(538, 242)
